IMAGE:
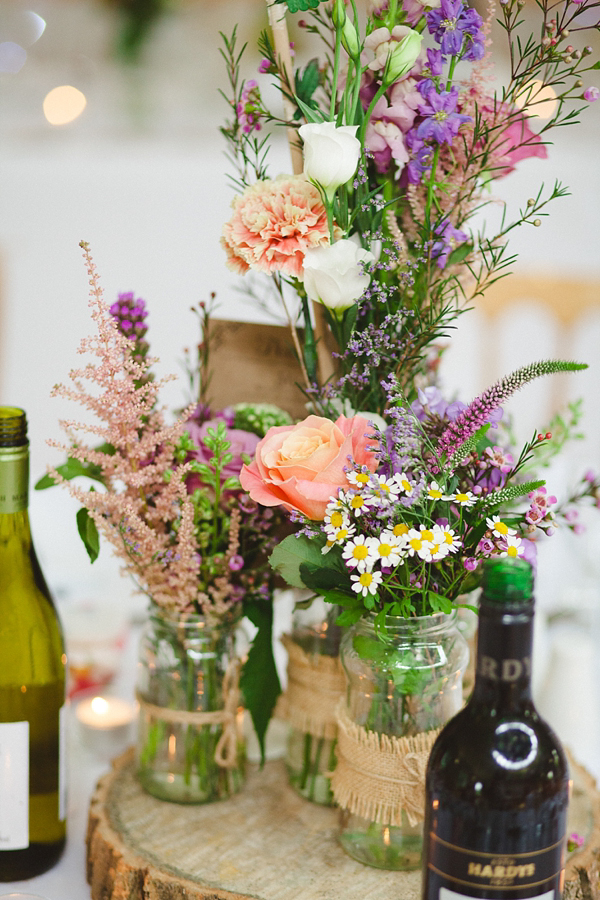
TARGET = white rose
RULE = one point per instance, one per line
(334, 276)
(331, 154)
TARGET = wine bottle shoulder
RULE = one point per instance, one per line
(509, 754)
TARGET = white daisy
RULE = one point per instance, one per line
(445, 535)
(340, 535)
(405, 486)
(387, 548)
(417, 544)
(336, 518)
(500, 528)
(512, 546)
(434, 492)
(366, 582)
(385, 488)
(463, 498)
(358, 479)
(358, 554)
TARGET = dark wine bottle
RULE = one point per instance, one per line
(32, 679)
(497, 783)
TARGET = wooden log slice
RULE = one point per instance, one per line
(266, 843)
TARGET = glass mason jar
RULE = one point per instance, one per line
(189, 745)
(315, 684)
(403, 685)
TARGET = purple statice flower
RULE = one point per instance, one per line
(249, 109)
(440, 119)
(448, 237)
(457, 29)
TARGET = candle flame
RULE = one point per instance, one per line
(99, 706)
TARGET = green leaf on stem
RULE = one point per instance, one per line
(291, 553)
(88, 533)
(73, 468)
(295, 6)
(311, 115)
(259, 680)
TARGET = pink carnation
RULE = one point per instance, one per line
(301, 467)
(273, 224)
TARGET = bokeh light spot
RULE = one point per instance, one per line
(63, 104)
(537, 99)
(12, 57)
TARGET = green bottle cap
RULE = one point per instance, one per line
(507, 580)
(13, 427)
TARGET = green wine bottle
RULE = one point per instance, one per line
(32, 680)
(497, 783)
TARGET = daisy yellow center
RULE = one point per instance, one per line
(361, 478)
(342, 534)
(462, 498)
(448, 538)
(360, 552)
(384, 487)
(400, 529)
(416, 544)
(337, 519)
(435, 494)
(365, 579)
(500, 527)
(512, 551)
(357, 502)
(406, 485)
(427, 535)
(385, 549)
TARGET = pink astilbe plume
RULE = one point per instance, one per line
(145, 511)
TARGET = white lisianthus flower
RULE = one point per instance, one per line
(402, 56)
(334, 276)
(331, 154)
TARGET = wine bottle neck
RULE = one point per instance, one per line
(14, 480)
(503, 666)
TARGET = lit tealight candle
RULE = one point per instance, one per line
(105, 722)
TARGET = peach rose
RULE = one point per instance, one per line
(301, 466)
(273, 224)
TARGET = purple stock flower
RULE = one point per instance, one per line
(448, 238)
(130, 315)
(441, 121)
(455, 27)
(436, 61)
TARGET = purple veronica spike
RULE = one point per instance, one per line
(481, 409)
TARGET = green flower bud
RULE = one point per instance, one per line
(402, 57)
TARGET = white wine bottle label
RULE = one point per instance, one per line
(62, 763)
(446, 894)
(465, 868)
(14, 785)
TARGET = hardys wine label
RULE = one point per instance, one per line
(504, 670)
(446, 894)
(495, 871)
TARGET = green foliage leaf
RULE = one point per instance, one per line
(295, 6)
(72, 468)
(307, 82)
(324, 576)
(88, 533)
(259, 680)
(310, 114)
(291, 553)
(349, 617)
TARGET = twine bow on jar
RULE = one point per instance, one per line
(226, 749)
